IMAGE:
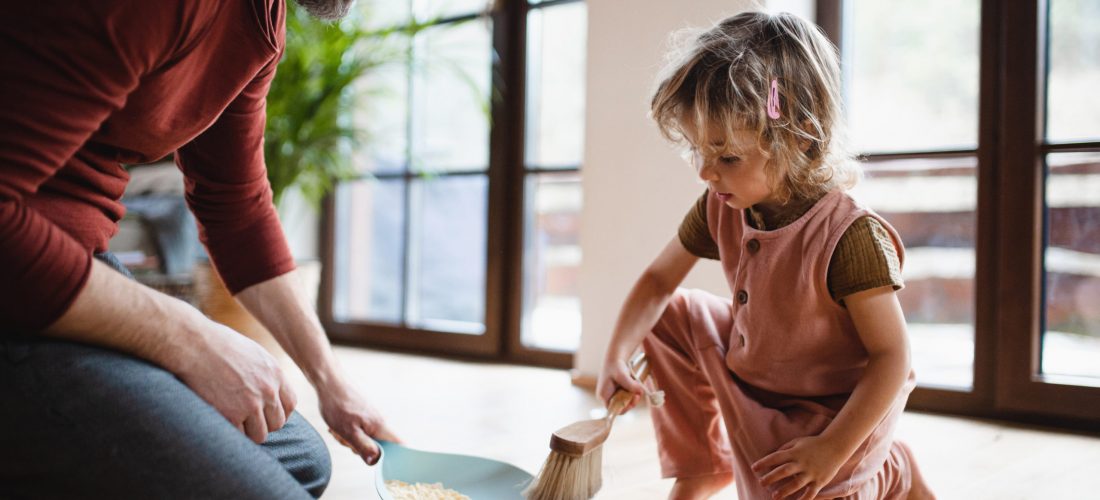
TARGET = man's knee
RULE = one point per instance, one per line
(317, 473)
(132, 422)
(303, 453)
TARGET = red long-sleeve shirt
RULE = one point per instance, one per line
(86, 86)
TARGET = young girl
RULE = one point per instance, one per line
(794, 387)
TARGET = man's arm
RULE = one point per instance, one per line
(228, 191)
(65, 68)
(231, 372)
(60, 79)
(291, 319)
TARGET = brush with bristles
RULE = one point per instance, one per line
(573, 471)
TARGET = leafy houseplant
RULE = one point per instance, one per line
(310, 134)
(311, 137)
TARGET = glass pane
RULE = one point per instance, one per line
(1071, 344)
(806, 9)
(383, 111)
(551, 262)
(555, 85)
(911, 74)
(427, 10)
(385, 13)
(450, 110)
(369, 251)
(932, 204)
(1073, 111)
(447, 275)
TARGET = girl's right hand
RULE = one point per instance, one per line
(616, 375)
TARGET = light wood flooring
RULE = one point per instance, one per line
(507, 413)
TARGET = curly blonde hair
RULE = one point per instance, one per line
(720, 79)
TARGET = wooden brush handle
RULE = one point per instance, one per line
(639, 367)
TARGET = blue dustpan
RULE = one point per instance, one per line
(476, 477)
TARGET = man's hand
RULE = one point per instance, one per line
(232, 373)
(284, 310)
(804, 464)
(353, 422)
(239, 379)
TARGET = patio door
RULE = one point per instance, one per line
(459, 236)
(980, 129)
(1049, 314)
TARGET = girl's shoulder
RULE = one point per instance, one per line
(865, 257)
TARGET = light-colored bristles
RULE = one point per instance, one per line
(565, 477)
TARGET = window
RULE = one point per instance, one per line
(460, 237)
(911, 86)
(1071, 342)
(982, 147)
(552, 158)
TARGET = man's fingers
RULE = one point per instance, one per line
(273, 413)
(288, 398)
(364, 446)
(255, 428)
(340, 439)
(361, 444)
(385, 434)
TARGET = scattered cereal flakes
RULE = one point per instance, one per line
(422, 491)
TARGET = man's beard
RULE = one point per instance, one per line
(330, 10)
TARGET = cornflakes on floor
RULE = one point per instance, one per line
(401, 490)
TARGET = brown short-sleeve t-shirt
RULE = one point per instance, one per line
(865, 257)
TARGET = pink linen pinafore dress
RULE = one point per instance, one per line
(776, 363)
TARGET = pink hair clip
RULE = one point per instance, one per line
(773, 100)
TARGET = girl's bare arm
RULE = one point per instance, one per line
(809, 463)
(881, 325)
(640, 311)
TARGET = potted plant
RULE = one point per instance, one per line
(310, 132)
(311, 136)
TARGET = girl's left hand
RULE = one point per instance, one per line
(804, 464)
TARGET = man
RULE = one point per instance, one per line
(109, 389)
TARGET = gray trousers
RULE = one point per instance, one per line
(78, 421)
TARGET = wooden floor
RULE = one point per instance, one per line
(507, 413)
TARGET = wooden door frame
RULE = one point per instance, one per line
(1009, 241)
(1020, 385)
(501, 340)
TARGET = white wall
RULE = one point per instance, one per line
(302, 226)
(636, 187)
